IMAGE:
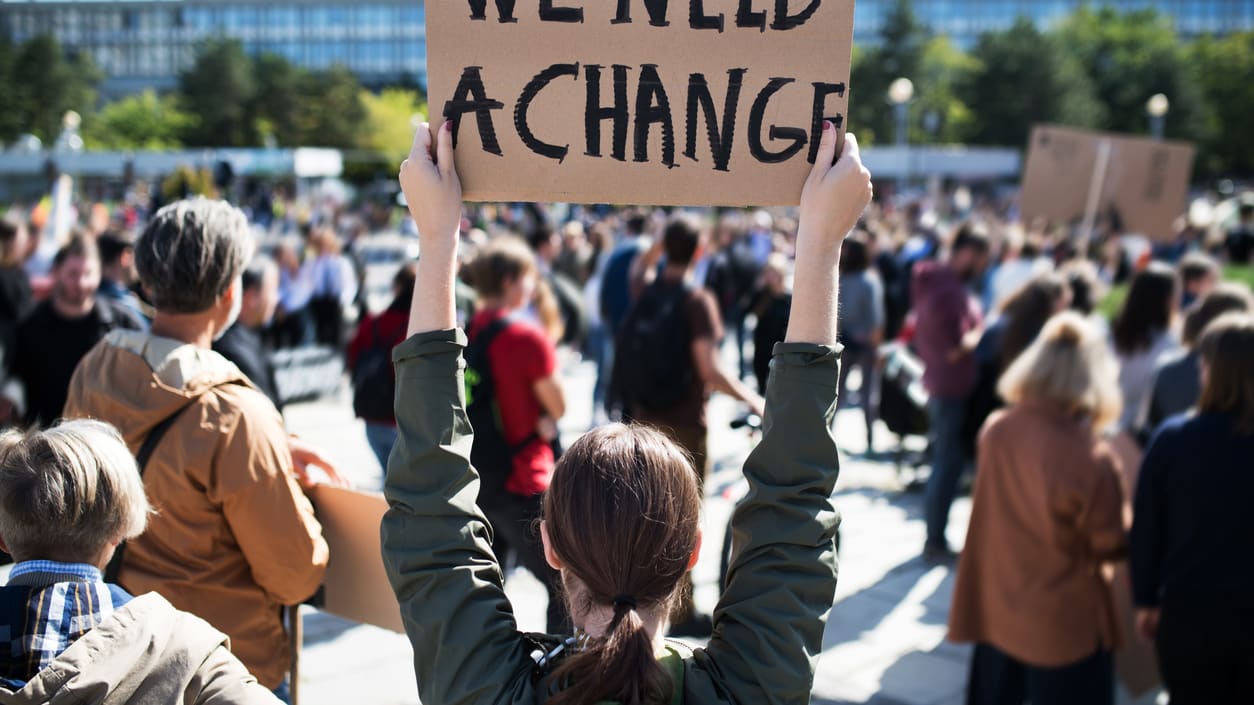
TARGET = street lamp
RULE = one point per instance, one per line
(1156, 107)
(900, 93)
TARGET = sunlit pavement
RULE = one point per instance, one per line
(885, 641)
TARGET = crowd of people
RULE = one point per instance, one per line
(1093, 437)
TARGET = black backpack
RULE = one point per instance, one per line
(653, 367)
(490, 454)
(374, 383)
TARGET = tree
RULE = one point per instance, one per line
(331, 113)
(218, 92)
(899, 54)
(1223, 68)
(144, 121)
(1130, 57)
(10, 119)
(389, 131)
(46, 84)
(278, 100)
(942, 69)
(1025, 77)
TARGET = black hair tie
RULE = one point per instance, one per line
(624, 602)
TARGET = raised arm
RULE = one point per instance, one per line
(437, 546)
(768, 627)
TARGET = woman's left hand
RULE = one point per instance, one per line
(432, 188)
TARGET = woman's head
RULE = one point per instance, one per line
(855, 254)
(504, 272)
(621, 523)
(1069, 366)
(1148, 310)
(1227, 350)
(1028, 309)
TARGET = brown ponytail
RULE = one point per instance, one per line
(622, 513)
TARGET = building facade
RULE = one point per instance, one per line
(144, 43)
(140, 44)
(965, 20)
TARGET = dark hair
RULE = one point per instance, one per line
(1224, 298)
(1227, 347)
(191, 253)
(112, 246)
(635, 223)
(403, 284)
(502, 260)
(1147, 310)
(1196, 266)
(255, 273)
(680, 240)
(78, 246)
(1085, 287)
(855, 255)
(969, 237)
(540, 235)
(1027, 311)
(8, 238)
(622, 513)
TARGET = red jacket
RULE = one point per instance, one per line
(388, 328)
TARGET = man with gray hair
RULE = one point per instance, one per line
(235, 539)
(68, 497)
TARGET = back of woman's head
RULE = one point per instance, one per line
(1069, 366)
(622, 515)
(1026, 312)
(855, 254)
(1228, 297)
(1148, 309)
(1227, 350)
(503, 260)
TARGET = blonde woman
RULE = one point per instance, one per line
(1047, 513)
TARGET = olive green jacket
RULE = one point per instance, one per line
(768, 627)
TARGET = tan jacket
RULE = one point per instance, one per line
(1047, 513)
(146, 653)
(234, 538)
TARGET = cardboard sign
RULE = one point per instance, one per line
(650, 102)
(356, 584)
(1140, 182)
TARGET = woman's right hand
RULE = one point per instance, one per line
(432, 189)
(835, 194)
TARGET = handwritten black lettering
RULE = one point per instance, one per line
(785, 21)
(699, 98)
(697, 19)
(537, 84)
(595, 114)
(756, 117)
(471, 97)
(504, 9)
(657, 12)
(653, 107)
(818, 116)
(747, 17)
(548, 13)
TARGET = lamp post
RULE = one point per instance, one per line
(1156, 107)
(900, 93)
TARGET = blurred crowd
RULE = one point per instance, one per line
(1098, 384)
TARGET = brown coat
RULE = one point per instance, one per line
(146, 653)
(1047, 513)
(234, 538)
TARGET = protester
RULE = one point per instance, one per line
(547, 246)
(1191, 583)
(117, 273)
(334, 288)
(294, 324)
(622, 515)
(16, 301)
(514, 385)
(1047, 511)
(1142, 334)
(1199, 273)
(771, 309)
(1177, 378)
(861, 326)
(1240, 240)
(242, 343)
(236, 539)
(370, 364)
(68, 497)
(947, 315)
(60, 330)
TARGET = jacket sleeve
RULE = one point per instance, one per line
(437, 546)
(1102, 516)
(223, 680)
(272, 520)
(1149, 517)
(768, 627)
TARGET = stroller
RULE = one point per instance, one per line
(903, 405)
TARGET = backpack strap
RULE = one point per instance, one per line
(146, 449)
(482, 342)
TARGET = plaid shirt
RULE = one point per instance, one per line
(45, 608)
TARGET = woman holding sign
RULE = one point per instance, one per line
(621, 515)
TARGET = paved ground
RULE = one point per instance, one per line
(885, 641)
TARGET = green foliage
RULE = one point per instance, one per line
(41, 84)
(1025, 77)
(144, 121)
(389, 130)
(1224, 68)
(218, 92)
(899, 53)
(330, 112)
